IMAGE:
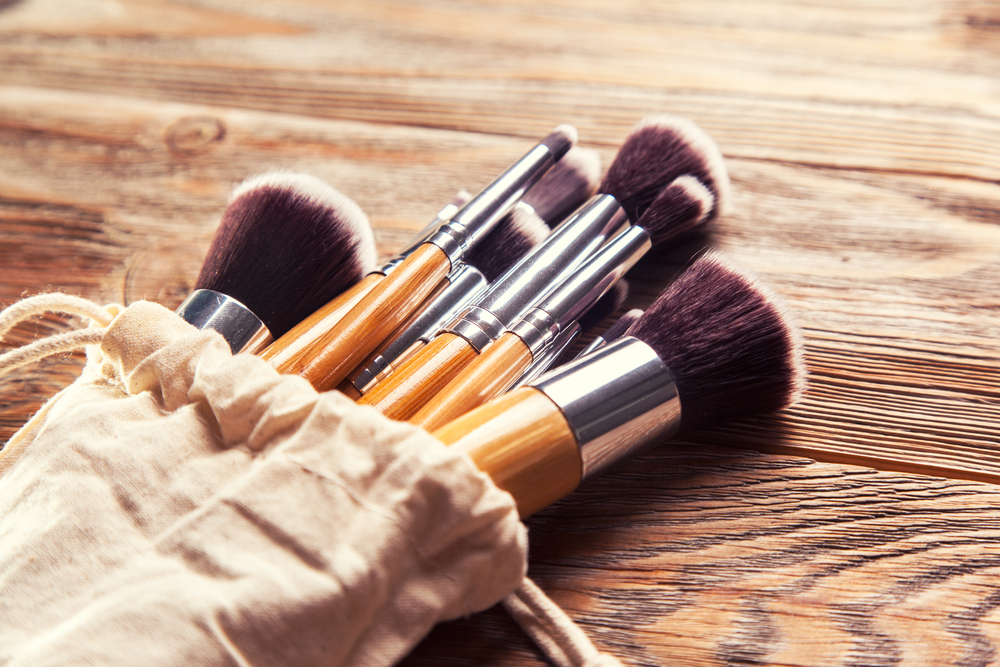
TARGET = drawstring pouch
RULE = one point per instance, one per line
(178, 504)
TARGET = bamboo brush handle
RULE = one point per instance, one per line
(487, 376)
(285, 354)
(522, 441)
(369, 323)
(414, 383)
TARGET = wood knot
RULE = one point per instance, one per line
(194, 134)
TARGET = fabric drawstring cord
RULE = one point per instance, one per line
(555, 633)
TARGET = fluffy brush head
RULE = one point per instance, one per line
(517, 233)
(727, 342)
(681, 206)
(560, 140)
(287, 244)
(657, 151)
(564, 187)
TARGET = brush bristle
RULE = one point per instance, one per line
(727, 342)
(622, 324)
(658, 150)
(606, 305)
(287, 244)
(560, 140)
(680, 207)
(567, 185)
(511, 239)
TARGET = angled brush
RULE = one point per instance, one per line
(715, 346)
(287, 244)
(335, 353)
(681, 205)
(515, 235)
(681, 149)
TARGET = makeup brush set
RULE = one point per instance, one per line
(459, 332)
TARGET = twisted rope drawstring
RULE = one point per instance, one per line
(562, 640)
(100, 317)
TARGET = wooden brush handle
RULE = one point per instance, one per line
(285, 354)
(369, 323)
(487, 376)
(348, 389)
(414, 383)
(522, 441)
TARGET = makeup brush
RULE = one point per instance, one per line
(287, 244)
(682, 148)
(715, 346)
(337, 352)
(551, 354)
(614, 332)
(284, 352)
(681, 205)
(566, 186)
(515, 235)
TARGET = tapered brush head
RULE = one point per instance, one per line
(605, 306)
(564, 187)
(727, 342)
(622, 324)
(560, 140)
(287, 244)
(657, 151)
(511, 239)
(680, 207)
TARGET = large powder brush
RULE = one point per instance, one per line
(716, 346)
(287, 244)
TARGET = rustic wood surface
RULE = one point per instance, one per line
(863, 139)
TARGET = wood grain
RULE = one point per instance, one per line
(419, 378)
(522, 441)
(862, 142)
(287, 354)
(490, 374)
(368, 324)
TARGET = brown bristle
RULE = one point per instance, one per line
(622, 324)
(513, 237)
(606, 305)
(680, 207)
(560, 140)
(287, 244)
(567, 185)
(727, 342)
(658, 150)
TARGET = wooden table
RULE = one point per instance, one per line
(863, 140)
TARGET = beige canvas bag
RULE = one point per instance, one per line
(181, 505)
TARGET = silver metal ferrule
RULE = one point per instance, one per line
(578, 293)
(541, 270)
(443, 216)
(482, 212)
(208, 309)
(465, 283)
(542, 361)
(617, 400)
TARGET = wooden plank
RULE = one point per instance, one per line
(708, 556)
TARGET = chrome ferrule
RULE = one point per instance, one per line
(208, 309)
(443, 216)
(465, 283)
(580, 291)
(478, 326)
(618, 400)
(482, 212)
(538, 272)
(543, 360)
